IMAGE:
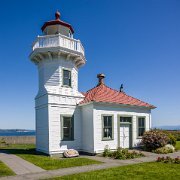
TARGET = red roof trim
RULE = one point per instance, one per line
(55, 22)
(105, 94)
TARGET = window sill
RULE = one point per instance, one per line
(66, 86)
(107, 139)
(139, 137)
(67, 139)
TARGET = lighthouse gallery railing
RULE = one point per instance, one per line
(58, 40)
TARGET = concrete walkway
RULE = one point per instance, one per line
(19, 165)
(108, 163)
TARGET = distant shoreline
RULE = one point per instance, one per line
(31, 133)
(170, 128)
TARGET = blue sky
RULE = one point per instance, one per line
(136, 43)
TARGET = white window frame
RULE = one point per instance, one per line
(138, 117)
(72, 127)
(102, 120)
(66, 69)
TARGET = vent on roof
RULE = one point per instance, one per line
(121, 88)
(101, 78)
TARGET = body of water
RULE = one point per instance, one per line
(16, 133)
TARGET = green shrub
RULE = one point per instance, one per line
(172, 139)
(2, 142)
(121, 153)
(168, 159)
(163, 150)
(106, 152)
(176, 134)
(154, 139)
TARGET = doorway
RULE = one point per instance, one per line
(125, 132)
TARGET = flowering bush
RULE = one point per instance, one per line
(173, 136)
(163, 150)
(154, 139)
(168, 159)
(170, 146)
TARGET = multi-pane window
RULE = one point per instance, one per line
(66, 77)
(141, 126)
(107, 127)
(125, 119)
(67, 128)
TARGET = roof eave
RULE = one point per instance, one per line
(50, 23)
(118, 104)
(87, 103)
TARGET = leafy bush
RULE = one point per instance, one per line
(168, 159)
(2, 142)
(121, 153)
(163, 150)
(171, 136)
(176, 134)
(154, 139)
(172, 139)
(106, 152)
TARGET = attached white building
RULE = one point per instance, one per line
(67, 118)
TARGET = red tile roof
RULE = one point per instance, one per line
(105, 94)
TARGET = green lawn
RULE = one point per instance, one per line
(28, 153)
(5, 171)
(151, 170)
(178, 145)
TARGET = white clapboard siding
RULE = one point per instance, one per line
(42, 129)
(55, 143)
(52, 101)
(100, 110)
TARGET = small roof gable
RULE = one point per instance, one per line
(105, 94)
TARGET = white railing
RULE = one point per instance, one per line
(58, 40)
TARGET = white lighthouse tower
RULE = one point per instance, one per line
(58, 57)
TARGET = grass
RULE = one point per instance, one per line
(178, 145)
(28, 153)
(14, 147)
(5, 171)
(153, 170)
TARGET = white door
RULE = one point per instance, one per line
(124, 135)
